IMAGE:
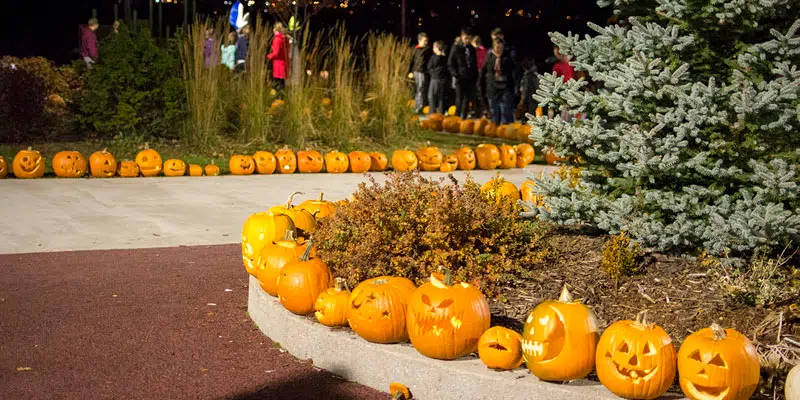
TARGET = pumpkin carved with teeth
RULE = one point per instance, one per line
(3, 167)
(259, 230)
(500, 348)
(241, 165)
(28, 164)
(430, 158)
(377, 309)
(560, 339)
(636, 359)
(102, 164)
(287, 161)
(149, 161)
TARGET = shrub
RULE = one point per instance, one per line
(765, 281)
(410, 226)
(22, 101)
(620, 256)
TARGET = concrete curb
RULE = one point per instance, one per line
(343, 353)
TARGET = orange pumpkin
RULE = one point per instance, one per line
(398, 391)
(377, 309)
(276, 107)
(508, 156)
(525, 154)
(149, 161)
(430, 158)
(360, 161)
(128, 169)
(404, 160)
(500, 190)
(265, 162)
(449, 164)
(550, 156)
(195, 170)
(102, 164)
(287, 161)
(480, 126)
(318, 208)
(379, 162)
(523, 133)
(503, 130)
(273, 257)
(326, 102)
(451, 124)
(539, 111)
(304, 221)
(336, 162)
(260, 229)
(467, 127)
(174, 167)
(70, 164)
(559, 340)
(434, 122)
(241, 165)
(3, 167)
(500, 348)
(488, 156)
(310, 161)
(302, 281)
(466, 158)
(527, 193)
(491, 130)
(330, 309)
(446, 319)
(212, 170)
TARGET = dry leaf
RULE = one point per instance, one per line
(24, 369)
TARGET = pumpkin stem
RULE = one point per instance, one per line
(448, 276)
(565, 297)
(320, 196)
(307, 253)
(291, 196)
(339, 284)
(105, 150)
(719, 332)
(641, 319)
(146, 146)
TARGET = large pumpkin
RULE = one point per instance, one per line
(310, 161)
(304, 221)
(635, 359)
(500, 348)
(128, 169)
(716, 363)
(467, 127)
(287, 161)
(377, 310)
(70, 164)
(559, 340)
(266, 163)
(360, 161)
(195, 170)
(331, 306)
(488, 156)
(149, 161)
(211, 169)
(430, 158)
(451, 124)
(446, 320)
(525, 154)
(302, 281)
(3, 167)
(379, 162)
(260, 229)
(508, 156)
(174, 167)
(404, 160)
(273, 257)
(466, 158)
(336, 162)
(480, 126)
(449, 164)
(241, 164)
(318, 208)
(102, 164)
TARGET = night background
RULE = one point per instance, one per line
(50, 28)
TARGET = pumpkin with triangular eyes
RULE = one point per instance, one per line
(102, 164)
(336, 162)
(241, 164)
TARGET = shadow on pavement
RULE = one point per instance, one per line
(316, 385)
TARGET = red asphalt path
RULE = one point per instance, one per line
(144, 324)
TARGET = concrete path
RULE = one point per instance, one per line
(46, 215)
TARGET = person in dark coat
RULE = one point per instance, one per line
(529, 86)
(89, 51)
(242, 47)
(437, 68)
(497, 81)
(463, 67)
(419, 71)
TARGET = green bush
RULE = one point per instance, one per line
(22, 103)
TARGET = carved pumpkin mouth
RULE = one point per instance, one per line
(707, 392)
(30, 165)
(541, 351)
(497, 347)
(634, 374)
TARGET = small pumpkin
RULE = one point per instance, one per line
(467, 127)
(260, 229)
(241, 164)
(70, 164)
(319, 208)
(149, 161)
(503, 130)
(466, 158)
(399, 391)
(451, 124)
(276, 107)
(212, 169)
(528, 194)
(488, 156)
(430, 158)
(404, 160)
(336, 162)
(174, 167)
(523, 133)
(310, 161)
(273, 257)
(491, 130)
(195, 170)
(102, 164)
(449, 164)
(525, 154)
(326, 102)
(265, 162)
(3, 167)
(480, 126)
(330, 309)
(434, 122)
(500, 190)
(539, 111)
(717, 363)
(550, 156)
(451, 110)
(304, 221)
(377, 309)
(128, 169)
(508, 156)
(379, 162)
(302, 281)
(360, 161)
(500, 348)
(287, 161)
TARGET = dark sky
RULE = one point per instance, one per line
(50, 28)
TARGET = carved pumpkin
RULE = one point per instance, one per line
(451, 124)
(467, 126)
(523, 133)
(480, 126)
(195, 170)
(287, 161)
(336, 162)
(430, 158)
(241, 164)
(502, 131)
(128, 169)
(28, 164)
(491, 130)
(70, 164)
(379, 162)
(446, 320)
(488, 156)
(212, 170)
(265, 162)
(318, 208)
(635, 359)
(508, 156)
(174, 167)
(360, 161)
(3, 167)
(302, 281)
(449, 164)
(149, 161)
(102, 164)
(559, 340)
(377, 310)
(273, 257)
(309, 161)
(404, 160)
(466, 158)
(525, 154)
(304, 221)
(260, 229)
(500, 348)
(330, 309)
(716, 363)
(434, 122)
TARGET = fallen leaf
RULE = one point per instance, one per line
(211, 304)
(24, 369)
(113, 295)
(228, 290)
(203, 370)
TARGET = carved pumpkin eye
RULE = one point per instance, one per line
(426, 300)
(649, 349)
(718, 361)
(446, 303)
(695, 356)
(624, 347)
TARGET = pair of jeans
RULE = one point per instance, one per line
(421, 98)
(436, 95)
(502, 104)
(465, 93)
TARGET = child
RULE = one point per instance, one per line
(242, 46)
(437, 68)
(229, 51)
(208, 48)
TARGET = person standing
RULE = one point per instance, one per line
(419, 71)
(437, 68)
(480, 55)
(279, 56)
(561, 67)
(497, 80)
(529, 86)
(208, 48)
(242, 47)
(229, 51)
(89, 52)
(463, 66)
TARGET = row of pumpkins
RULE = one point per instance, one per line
(102, 164)
(483, 127)
(447, 320)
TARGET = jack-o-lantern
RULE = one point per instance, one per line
(128, 169)
(449, 164)
(446, 320)
(491, 130)
(466, 158)
(273, 257)
(527, 193)
(480, 126)
(467, 127)
(102, 164)
(503, 130)
(3, 167)
(377, 309)
(319, 208)
(451, 124)
(379, 162)
(559, 339)
(488, 156)
(241, 164)
(636, 359)
(430, 158)
(304, 221)
(330, 309)
(258, 230)
(195, 170)
(525, 154)
(523, 133)
(174, 167)
(508, 156)
(309, 161)
(211, 169)
(265, 162)
(404, 160)
(302, 281)
(149, 161)
(500, 348)
(716, 363)
(360, 161)
(287, 161)
(70, 164)
(336, 162)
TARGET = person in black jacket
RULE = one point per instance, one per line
(437, 68)
(463, 66)
(529, 86)
(497, 81)
(419, 71)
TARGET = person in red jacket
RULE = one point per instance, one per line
(562, 67)
(89, 51)
(279, 56)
